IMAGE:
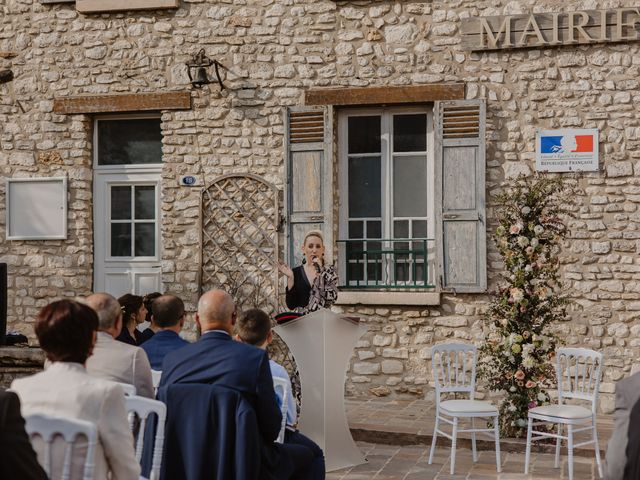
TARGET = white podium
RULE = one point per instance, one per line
(322, 343)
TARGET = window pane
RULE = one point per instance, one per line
(145, 202)
(121, 203)
(410, 133)
(401, 229)
(364, 134)
(355, 272)
(419, 229)
(120, 239)
(410, 186)
(374, 229)
(356, 229)
(364, 187)
(122, 142)
(145, 239)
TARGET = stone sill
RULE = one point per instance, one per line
(21, 357)
(101, 6)
(351, 297)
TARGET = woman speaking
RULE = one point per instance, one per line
(314, 284)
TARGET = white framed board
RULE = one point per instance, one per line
(36, 208)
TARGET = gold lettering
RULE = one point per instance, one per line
(603, 26)
(531, 29)
(621, 23)
(578, 27)
(486, 33)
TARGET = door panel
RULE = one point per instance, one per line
(127, 232)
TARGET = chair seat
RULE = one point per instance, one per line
(467, 406)
(571, 412)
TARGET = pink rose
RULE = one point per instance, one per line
(530, 384)
(519, 375)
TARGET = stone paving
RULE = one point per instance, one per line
(387, 462)
(395, 436)
(410, 422)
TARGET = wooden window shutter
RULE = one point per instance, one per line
(309, 172)
(460, 195)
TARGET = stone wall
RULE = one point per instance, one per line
(16, 362)
(274, 50)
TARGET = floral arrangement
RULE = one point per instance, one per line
(517, 357)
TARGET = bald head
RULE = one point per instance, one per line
(107, 308)
(216, 311)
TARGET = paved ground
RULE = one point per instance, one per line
(386, 462)
(395, 436)
(410, 422)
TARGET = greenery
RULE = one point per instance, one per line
(517, 358)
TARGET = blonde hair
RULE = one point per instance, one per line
(313, 233)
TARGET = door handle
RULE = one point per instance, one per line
(450, 216)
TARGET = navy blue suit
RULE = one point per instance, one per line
(160, 344)
(218, 360)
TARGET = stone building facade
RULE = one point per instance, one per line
(274, 52)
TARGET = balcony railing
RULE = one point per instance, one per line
(386, 263)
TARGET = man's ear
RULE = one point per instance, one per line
(181, 320)
(197, 317)
(270, 337)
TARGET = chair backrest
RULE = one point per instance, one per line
(128, 388)
(48, 427)
(142, 408)
(155, 377)
(281, 385)
(578, 373)
(454, 368)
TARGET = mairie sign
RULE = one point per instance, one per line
(550, 29)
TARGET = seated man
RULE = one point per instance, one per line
(219, 361)
(254, 328)
(168, 314)
(627, 394)
(17, 458)
(66, 331)
(113, 360)
(150, 328)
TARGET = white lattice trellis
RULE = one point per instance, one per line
(240, 240)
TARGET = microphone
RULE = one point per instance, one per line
(316, 263)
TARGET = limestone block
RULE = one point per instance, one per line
(619, 169)
(401, 34)
(392, 367)
(366, 368)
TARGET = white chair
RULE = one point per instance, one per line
(578, 372)
(48, 427)
(142, 407)
(129, 390)
(282, 385)
(454, 371)
(156, 375)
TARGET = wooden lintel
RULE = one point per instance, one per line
(101, 6)
(384, 95)
(132, 102)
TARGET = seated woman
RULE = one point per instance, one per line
(134, 312)
(314, 284)
(67, 331)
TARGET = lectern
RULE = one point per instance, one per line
(322, 343)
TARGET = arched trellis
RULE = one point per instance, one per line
(240, 251)
(240, 221)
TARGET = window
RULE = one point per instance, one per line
(387, 202)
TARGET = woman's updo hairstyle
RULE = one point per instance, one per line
(130, 304)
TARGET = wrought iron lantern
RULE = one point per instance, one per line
(197, 70)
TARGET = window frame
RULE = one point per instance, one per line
(387, 156)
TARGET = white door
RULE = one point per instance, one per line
(127, 175)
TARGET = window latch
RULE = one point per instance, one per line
(450, 216)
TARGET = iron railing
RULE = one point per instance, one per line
(386, 263)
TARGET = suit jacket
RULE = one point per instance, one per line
(119, 362)
(17, 457)
(627, 394)
(160, 344)
(67, 390)
(211, 434)
(632, 466)
(218, 360)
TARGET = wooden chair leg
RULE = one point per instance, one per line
(596, 445)
(527, 454)
(454, 437)
(473, 441)
(496, 433)
(570, 449)
(433, 442)
(556, 463)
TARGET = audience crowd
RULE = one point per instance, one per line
(223, 413)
